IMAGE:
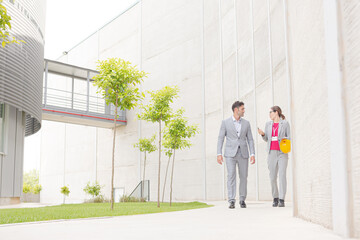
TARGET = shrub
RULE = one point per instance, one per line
(26, 188)
(31, 182)
(36, 189)
(127, 198)
(93, 190)
(98, 199)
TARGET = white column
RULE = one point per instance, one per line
(140, 87)
(254, 86)
(292, 166)
(222, 88)
(64, 178)
(270, 52)
(96, 152)
(203, 95)
(236, 55)
(339, 175)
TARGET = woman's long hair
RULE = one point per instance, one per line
(278, 110)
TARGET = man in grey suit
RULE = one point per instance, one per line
(238, 139)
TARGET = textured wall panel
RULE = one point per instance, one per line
(310, 112)
(351, 37)
(21, 65)
(11, 169)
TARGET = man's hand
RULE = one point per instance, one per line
(261, 132)
(220, 159)
(252, 159)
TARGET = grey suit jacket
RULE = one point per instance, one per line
(283, 132)
(233, 142)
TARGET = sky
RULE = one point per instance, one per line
(67, 24)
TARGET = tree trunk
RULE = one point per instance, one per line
(158, 200)
(167, 167)
(143, 181)
(113, 158)
(172, 176)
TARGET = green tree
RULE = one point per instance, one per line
(117, 81)
(176, 136)
(5, 27)
(145, 145)
(159, 110)
(65, 191)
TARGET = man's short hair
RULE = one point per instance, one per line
(236, 105)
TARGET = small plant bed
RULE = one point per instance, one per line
(90, 210)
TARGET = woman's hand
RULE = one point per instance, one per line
(261, 132)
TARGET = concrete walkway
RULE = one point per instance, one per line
(258, 221)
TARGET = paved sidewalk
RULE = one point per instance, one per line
(258, 221)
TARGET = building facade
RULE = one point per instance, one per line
(21, 71)
(301, 56)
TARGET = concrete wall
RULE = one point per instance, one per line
(310, 112)
(169, 40)
(231, 54)
(171, 52)
(350, 16)
(72, 161)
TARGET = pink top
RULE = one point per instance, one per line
(275, 144)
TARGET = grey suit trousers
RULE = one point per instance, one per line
(277, 163)
(242, 164)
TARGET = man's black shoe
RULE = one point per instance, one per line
(281, 203)
(275, 202)
(232, 205)
(242, 204)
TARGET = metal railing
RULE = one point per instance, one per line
(78, 101)
(68, 91)
(142, 190)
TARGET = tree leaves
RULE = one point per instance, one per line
(178, 131)
(65, 190)
(5, 27)
(94, 190)
(159, 107)
(146, 144)
(118, 77)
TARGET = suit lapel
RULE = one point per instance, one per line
(232, 126)
(242, 127)
(270, 129)
(280, 127)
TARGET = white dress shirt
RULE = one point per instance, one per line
(237, 124)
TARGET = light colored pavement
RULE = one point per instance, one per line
(258, 221)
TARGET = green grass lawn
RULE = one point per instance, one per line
(88, 210)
